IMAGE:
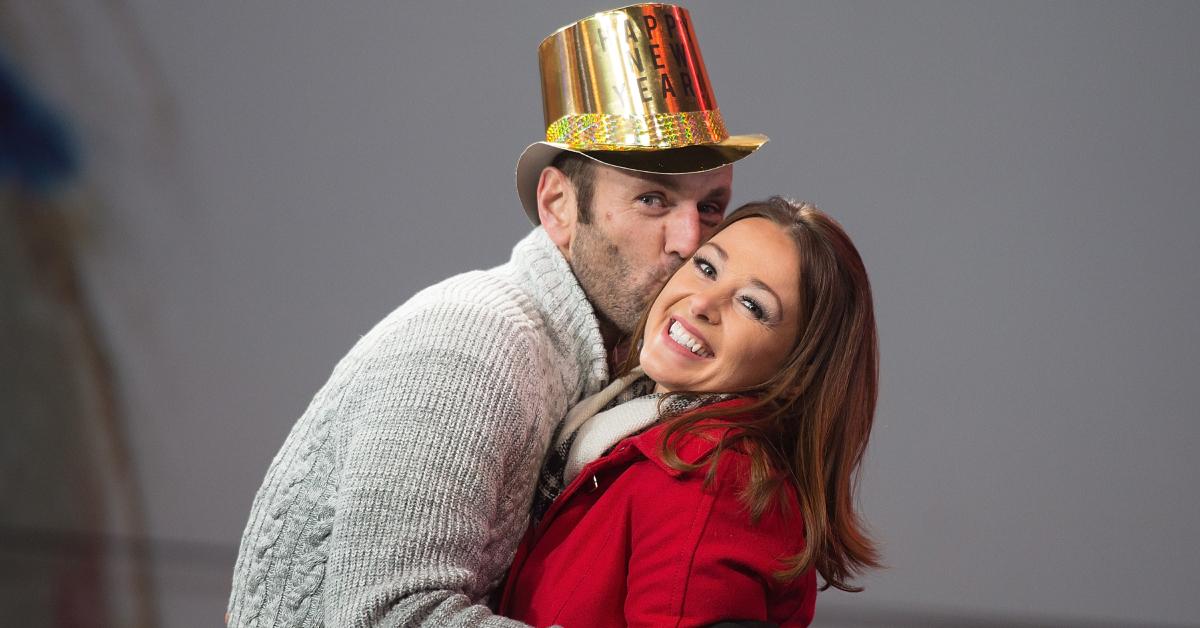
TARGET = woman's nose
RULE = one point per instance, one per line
(703, 305)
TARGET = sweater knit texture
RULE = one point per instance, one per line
(401, 493)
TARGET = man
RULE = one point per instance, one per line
(401, 493)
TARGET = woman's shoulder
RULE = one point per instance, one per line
(697, 443)
(729, 554)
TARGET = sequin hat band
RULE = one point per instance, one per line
(600, 131)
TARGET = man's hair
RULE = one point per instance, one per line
(581, 172)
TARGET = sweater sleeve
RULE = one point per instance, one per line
(437, 413)
(696, 558)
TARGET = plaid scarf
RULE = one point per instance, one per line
(634, 385)
(550, 481)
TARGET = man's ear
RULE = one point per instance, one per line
(557, 208)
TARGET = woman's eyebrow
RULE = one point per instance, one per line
(720, 251)
(758, 283)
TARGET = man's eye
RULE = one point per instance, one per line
(704, 267)
(711, 215)
(653, 200)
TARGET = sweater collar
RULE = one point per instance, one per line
(570, 320)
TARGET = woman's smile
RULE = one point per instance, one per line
(688, 342)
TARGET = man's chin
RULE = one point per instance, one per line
(628, 326)
(620, 323)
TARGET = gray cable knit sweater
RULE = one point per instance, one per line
(400, 495)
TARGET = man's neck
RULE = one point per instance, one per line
(616, 346)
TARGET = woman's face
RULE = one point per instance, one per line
(727, 319)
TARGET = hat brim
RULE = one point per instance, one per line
(681, 160)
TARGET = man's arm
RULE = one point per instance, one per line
(439, 411)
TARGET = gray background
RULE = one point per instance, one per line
(268, 179)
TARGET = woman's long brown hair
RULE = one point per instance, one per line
(807, 425)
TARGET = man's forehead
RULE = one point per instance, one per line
(709, 182)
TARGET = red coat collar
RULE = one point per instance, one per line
(691, 447)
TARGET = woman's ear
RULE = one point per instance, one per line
(557, 209)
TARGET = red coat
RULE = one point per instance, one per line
(634, 542)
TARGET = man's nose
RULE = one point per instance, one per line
(682, 236)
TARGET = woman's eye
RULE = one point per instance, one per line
(753, 307)
(704, 267)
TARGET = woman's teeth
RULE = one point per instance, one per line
(680, 336)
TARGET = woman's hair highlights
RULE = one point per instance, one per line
(809, 423)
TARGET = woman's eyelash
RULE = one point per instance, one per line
(755, 308)
(758, 311)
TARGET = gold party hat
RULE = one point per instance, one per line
(628, 88)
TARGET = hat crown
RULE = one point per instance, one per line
(627, 79)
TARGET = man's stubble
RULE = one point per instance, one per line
(619, 292)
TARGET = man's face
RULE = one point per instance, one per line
(643, 226)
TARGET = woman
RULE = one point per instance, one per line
(728, 508)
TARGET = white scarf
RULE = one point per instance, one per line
(596, 432)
